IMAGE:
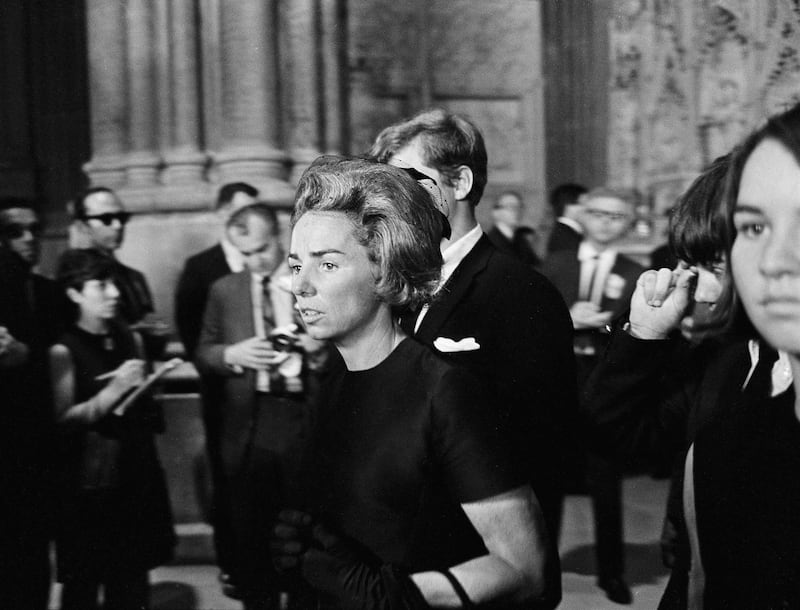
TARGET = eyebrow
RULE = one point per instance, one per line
(747, 208)
(318, 253)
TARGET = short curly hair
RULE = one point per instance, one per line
(393, 217)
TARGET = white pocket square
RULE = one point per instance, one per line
(467, 344)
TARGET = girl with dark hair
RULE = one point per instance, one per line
(114, 519)
(740, 497)
(411, 500)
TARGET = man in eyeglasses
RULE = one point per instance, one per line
(597, 283)
(101, 219)
(28, 325)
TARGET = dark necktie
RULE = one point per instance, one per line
(760, 383)
(266, 306)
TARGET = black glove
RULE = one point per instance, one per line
(340, 567)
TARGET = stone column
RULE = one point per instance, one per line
(105, 22)
(143, 158)
(184, 160)
(305, 96)
(334, 69)
(250, 148)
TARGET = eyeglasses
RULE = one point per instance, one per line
(15, 230)
(603, 215)
(109, 217)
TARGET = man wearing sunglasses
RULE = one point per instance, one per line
(28, 325)
(101, 219)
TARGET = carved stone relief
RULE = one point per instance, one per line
(689, 80)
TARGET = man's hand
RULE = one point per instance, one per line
(253, 353)
(660, 301)
(588, 315)
(12, 352)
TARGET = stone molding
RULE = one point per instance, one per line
(187, 95)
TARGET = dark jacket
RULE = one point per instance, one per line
(191, 296)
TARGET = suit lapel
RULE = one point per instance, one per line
(454, 289)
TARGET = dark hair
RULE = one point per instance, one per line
(565, 194)
(77, 266)
(240, 219)
(729, 314)
(393, 217)
(447, 140)
(697, 222)
(228, 191)
(79, 203)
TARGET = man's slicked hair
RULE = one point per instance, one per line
(447, 140)
(392, 215)
(228, 191)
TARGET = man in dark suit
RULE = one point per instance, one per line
(507, 234)
(29, 323)
(199, 273)
(567, 231)
(493, 314)
(264, 416)
(597, 283)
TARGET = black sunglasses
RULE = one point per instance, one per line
(109, 217)
(16, 230)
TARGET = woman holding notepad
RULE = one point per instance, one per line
(114, 519)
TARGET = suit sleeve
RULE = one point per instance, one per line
(634, 408)
(535, 376)
(190, 298)
(209, 355)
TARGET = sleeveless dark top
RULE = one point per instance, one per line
(114, 508)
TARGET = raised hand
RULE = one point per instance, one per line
(661, 301)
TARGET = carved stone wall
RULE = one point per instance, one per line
(689, 78)
(482, 59)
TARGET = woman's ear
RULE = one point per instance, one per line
(74, 295)
(463, 183)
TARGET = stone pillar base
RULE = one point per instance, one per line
(251, 163)
(106, 171)
(184, 167)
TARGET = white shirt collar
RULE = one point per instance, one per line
(781, 371)
(233, 257)
(457, 251)
(571, 223)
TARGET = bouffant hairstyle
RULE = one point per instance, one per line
(448, 141)
(76, 267)
(393, 217)
(697, 222)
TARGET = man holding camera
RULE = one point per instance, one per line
(249, 341)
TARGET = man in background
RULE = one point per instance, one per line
(264, 417)
(508, 235)
(493, 314)
(199, 272)
(567, 233)
(597, 282)
(101, 218)
(29, 324)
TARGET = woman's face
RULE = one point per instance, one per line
(333, 279)
(97, 299)
(765, 257)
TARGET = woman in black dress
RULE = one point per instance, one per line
(114, 519)
(411, 499)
